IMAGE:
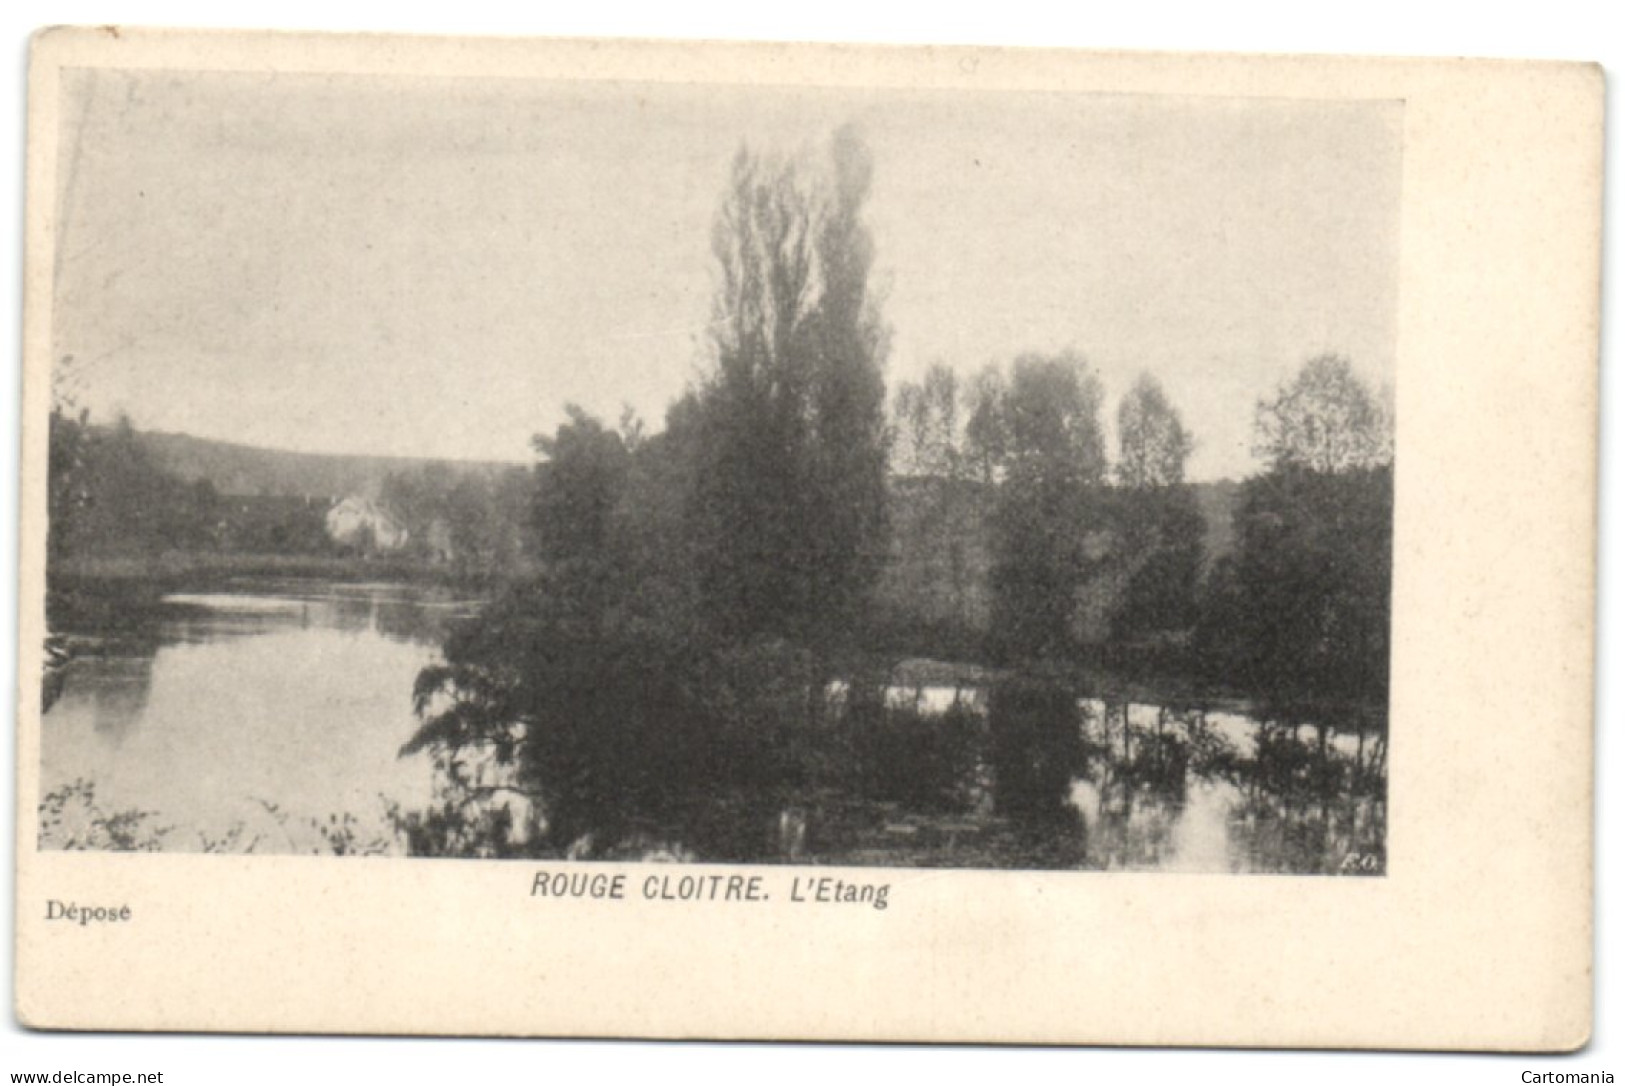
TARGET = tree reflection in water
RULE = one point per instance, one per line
(1184, 792)
(1168, 789)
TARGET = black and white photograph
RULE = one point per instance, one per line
(768, 542)
(505, 469)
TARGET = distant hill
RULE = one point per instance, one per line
(251, 471)
(247, 470)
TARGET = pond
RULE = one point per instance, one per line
(1206, 792)
(1193, 790)
(268, 716)
(264, 713)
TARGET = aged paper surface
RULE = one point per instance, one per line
(1476, 930)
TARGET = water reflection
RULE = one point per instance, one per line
(1190, 789)
(1219, 792)
(397, 612)
(266, 713)
(266, 716)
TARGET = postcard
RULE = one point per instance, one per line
(632, 539)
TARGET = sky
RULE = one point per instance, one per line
(417, 267)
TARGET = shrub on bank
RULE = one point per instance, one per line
(926, 762)
(1035, 745)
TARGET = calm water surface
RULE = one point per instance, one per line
(269, 706)
(268, 716)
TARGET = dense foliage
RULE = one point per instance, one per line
(705, 652)
(106, 497)
(112, 499)
(699, 629)
(789, 426)
(1300, 614)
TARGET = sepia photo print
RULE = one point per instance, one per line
(942, 544)
(534, 469)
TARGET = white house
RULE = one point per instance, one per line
(351, 521)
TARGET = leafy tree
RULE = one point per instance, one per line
(1153, 443)
(603, 684)
(1049, 497)
(653, 526)
(791, 434)
(106, 495)
(1160, 525)
(1325, 419)
(926, 421)
(911, 428)
(416, 499)
(484, 537)
(986, 435)
(575, 682)
(473, 518)
(938, 516)
(1300, 615)
(1052, 421)
(577, 708)
(850, 454)
(1035, 747)
(579, 485)
(1161, 543)
(1304, 608)
(68, 487)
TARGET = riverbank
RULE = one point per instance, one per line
(204, 705)
(191, 567)
(120, 593)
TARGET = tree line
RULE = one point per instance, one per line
(110, 497)
(700, 589)
(105, 496)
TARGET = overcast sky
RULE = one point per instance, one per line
(435, 268)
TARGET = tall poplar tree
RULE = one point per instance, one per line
(791, 486)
